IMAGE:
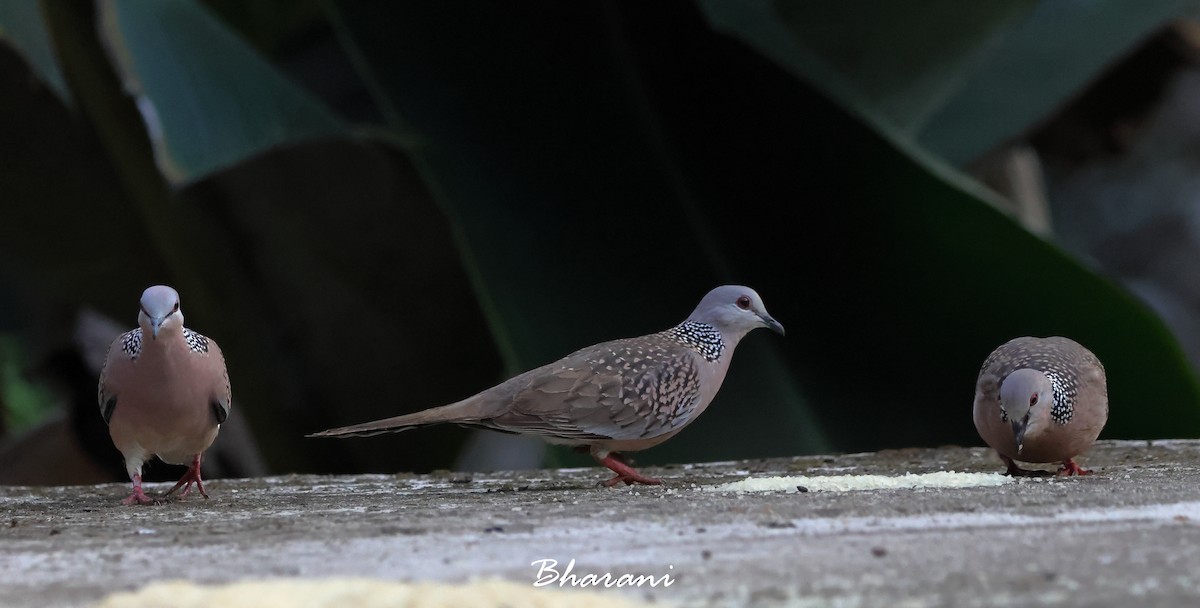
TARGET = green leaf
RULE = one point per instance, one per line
(62, 204)
(1038, 67)
(26, 403)
(270, 25)
(208, 99)
(896, 62)
(22, 27)
(958, 81)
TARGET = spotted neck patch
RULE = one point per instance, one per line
(1063, 409)
(195, 341)
(131, 342)
(704, 338)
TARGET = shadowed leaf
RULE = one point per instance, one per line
(208, 99)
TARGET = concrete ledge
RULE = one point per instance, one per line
(1129, 535)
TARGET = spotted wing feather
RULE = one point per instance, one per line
(127, 346)
(204, 346)
(626, 389)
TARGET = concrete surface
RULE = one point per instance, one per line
(1129, 535)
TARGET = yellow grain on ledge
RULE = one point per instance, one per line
(363, 593)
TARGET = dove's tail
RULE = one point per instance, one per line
(465, 412)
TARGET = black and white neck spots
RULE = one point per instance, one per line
(701, 336)
(196, 342)
(131, 342)
(1064, 398)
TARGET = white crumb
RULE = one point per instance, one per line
(850, 483)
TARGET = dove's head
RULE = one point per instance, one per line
(1026, 397)
(734, 310)
(160, 311)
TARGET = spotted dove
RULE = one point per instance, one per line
(164, 392)
(618, 396)
(1041, 400)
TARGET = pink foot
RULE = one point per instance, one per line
(138, 497)
(625, 473)
(1016, 471)
(1069, 468)
(192, 475)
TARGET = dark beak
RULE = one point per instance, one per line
(155, 324)
(1018, 427)
(773, 325)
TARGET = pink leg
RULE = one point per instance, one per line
(137, 497)
(1016, 471)
(1069, 468)
(190, 476)
(625, 472)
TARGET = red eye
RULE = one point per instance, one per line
(744, 302)
(176, 307)
(1033, 400)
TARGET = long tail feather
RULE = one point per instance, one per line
(455, 413)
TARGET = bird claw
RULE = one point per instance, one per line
(187, 487)
(137, 497)
(1019, 472)
(630, 480)
(1016, 471)
(1070, 468)
(187, 482)
(192, 475)
(625, 473)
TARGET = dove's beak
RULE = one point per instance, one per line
(1018, 427)
(772, 324)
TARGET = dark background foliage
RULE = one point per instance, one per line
(380, 207)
